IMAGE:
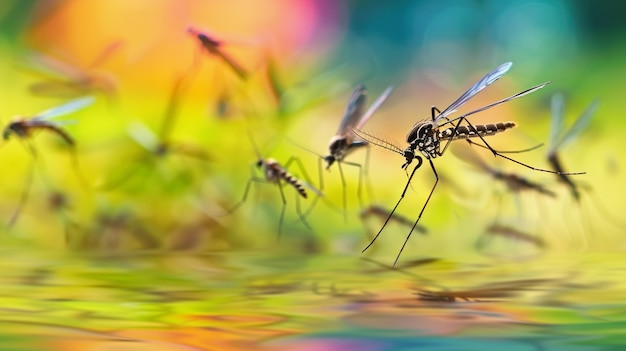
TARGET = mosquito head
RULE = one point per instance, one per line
(409, 155)
(6, 134)
(206, 41)
(330, 159)
(13, 128)
(336, 149)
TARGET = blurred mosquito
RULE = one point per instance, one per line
(487, 292)
(345, 142)
(274, 172)
(558, 107)
(426, 137)
(514, 182)
(63, 80)
(511, 233)
(25, 128)
(214, 47)
(159, 145)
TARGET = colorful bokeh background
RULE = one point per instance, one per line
(112, 195)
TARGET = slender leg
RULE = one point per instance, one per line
(419, 163)
(496, 153)
(245, 193)
(343, 192)
(421, 212)
(282, 211)
(366, 176)
(359, 184)
(321, 185)
(299, 211)
(24, 196)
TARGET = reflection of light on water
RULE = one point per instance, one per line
(244, 301)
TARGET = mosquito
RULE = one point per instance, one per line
(511, 233)
(24, 128)
(158, 145)
(274, 172)
(514, 182)
(214, 47)
(344, 142)
(66, 81)
(426, 137)
(557, 114)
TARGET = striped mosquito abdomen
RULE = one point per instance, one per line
(466, 132)
(274, 172)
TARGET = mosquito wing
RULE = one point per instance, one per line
(375, 106)
(475, 89)
(65, 109)
(493, 104)
(143, 136)
(354, 110)
(557, 111)
(581, 123)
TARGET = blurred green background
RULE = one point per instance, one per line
(303, 58)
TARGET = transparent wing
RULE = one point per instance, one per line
(143, 136)
(581, 123)
(515, 96)
(354, 110)
(381, 99)
(51, 68)
(475, 89)
(557, 109)
(65, 109)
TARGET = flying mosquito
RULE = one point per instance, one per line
(510, 233)
(214, 47)
(426, 137)
(514, 182)
(345, 142)
(158, 145)
(25, 128)
(274, 172)
(63, 80)
(557, 113)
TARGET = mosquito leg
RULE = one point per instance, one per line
(421, 212)
(300, 214)
(508, 151)
(408, 183)
(496, 153)
(24, 196)
(366, 175)
(344, 191)
(245, 193)
(321, 185)
(282, 211)
(434, 111)
(359, 186)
